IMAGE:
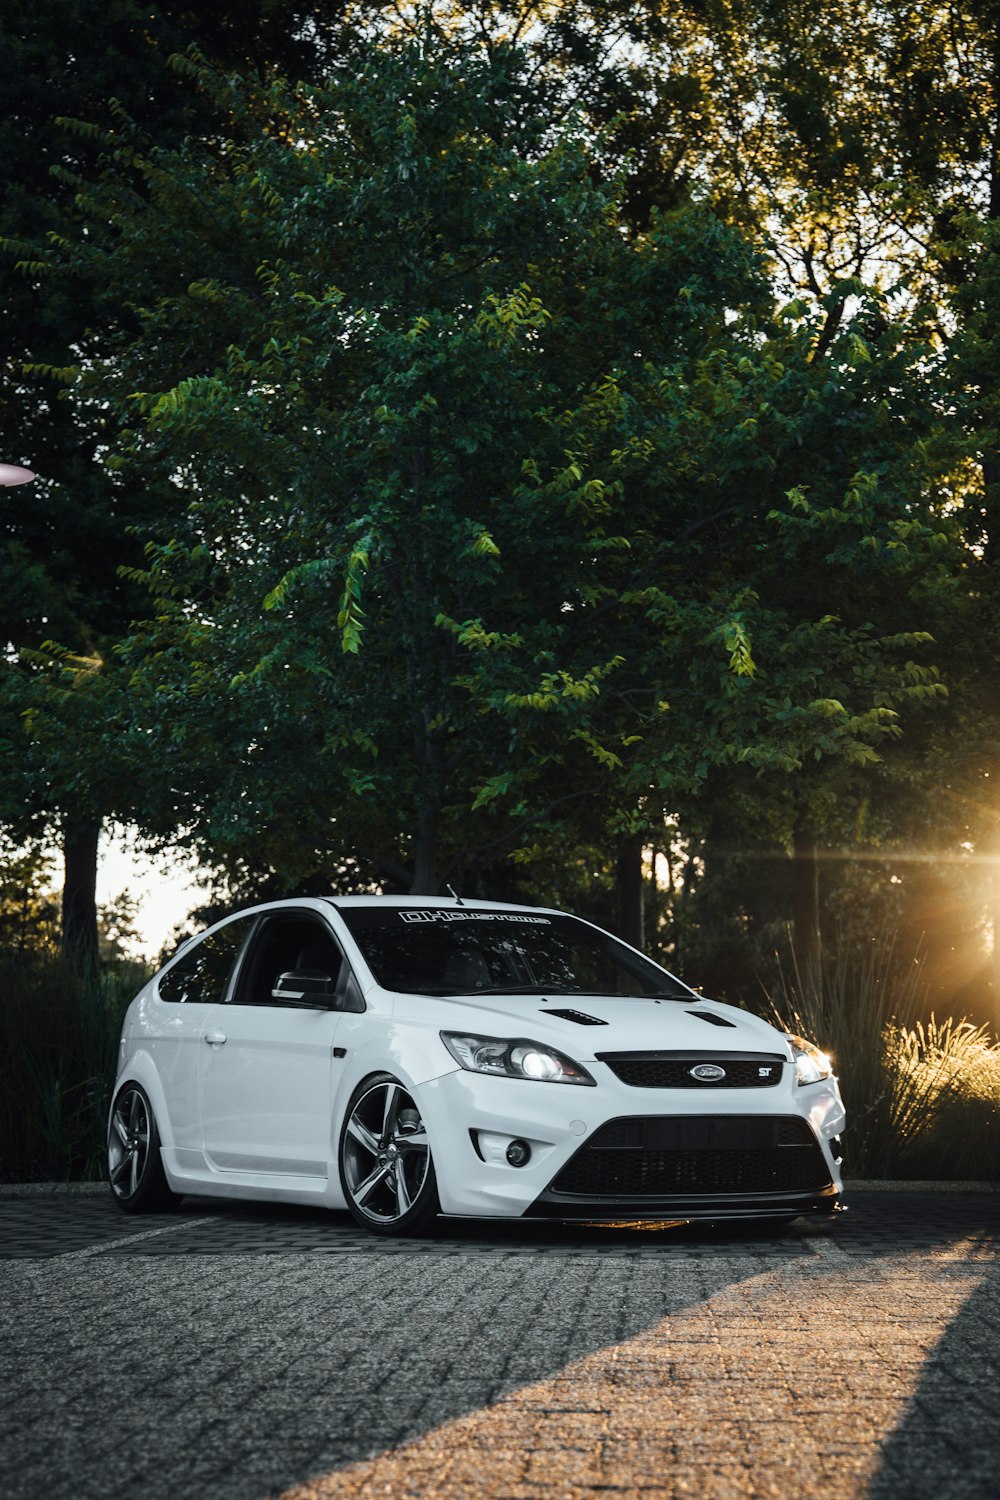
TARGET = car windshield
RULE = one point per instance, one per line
(470, 951)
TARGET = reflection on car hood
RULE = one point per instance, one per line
(622, 1024)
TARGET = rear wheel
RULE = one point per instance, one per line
(385, 1159)
(135, 1170)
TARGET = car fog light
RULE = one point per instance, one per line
(519, 1153)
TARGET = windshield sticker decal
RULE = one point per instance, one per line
(437, 915)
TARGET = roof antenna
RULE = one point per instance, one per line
(457, 897)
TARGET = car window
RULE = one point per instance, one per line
(201, 974)
(283, 943)
(447, 951)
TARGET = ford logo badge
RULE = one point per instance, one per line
(707, 1072)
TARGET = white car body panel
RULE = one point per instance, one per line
(260, 1115)
(264, 1088)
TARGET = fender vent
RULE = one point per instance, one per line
(575, 1015)
(706, 1015)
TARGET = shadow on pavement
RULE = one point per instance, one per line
(260, 1345)
(948, 1441)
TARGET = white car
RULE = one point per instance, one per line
(410, 1057)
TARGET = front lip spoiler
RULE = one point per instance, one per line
(567, 1206)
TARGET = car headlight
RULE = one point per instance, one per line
(811, 1065)
(514, 1059)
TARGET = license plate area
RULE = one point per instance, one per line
(718, 1133)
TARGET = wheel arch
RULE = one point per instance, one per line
(369, 1062)
(418, 1202)
(141, 1069)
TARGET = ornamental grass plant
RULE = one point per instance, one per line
(922, 1096)
(58, 1042)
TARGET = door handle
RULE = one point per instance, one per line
(215, 1038)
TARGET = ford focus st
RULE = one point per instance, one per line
(405, 1058)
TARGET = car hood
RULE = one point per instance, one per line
(584, 1025)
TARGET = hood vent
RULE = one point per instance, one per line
(706, 1015)
(575, 1015)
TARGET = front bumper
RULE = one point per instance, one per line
(568, 1208)
(617, 1152)
(704, 1165)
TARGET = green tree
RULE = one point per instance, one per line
(502, 520)
(393, 307)
(722, 536)
(29, 913)
(62, 545)
(850, 144)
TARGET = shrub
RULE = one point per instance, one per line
(922, 1096)
(58, 1043)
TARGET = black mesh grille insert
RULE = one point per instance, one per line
(657, 1157)
(673, 1070)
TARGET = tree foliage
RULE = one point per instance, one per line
(522, 430)
(494, 511)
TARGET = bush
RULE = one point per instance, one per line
(952, 1071)
(922, 1096)
(58, 1045)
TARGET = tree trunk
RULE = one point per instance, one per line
(629, 890)
(79, 898)
(425, 853)
(805, 907)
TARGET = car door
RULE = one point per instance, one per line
(266, 1064)
(189, 988)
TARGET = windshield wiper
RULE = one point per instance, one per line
(443, 991)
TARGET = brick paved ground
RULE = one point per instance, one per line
(236, 1352)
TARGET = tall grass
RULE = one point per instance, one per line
(922, 1096)
(58, 1045)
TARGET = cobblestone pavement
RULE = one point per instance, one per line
(234, 1352)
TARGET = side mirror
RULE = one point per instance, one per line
(306, 988)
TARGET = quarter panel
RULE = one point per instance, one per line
(170, 1035)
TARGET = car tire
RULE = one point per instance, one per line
(386, 1169)
(135, 1170)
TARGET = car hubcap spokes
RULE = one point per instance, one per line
(128, 1145)
(386, 1154)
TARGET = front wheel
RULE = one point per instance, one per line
(135, 1170)
(385, 1159)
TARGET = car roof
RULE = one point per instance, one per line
(448, 903)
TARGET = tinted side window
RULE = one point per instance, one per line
(284, 943)
(201, 974)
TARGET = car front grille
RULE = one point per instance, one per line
(675, 1070)
(696, 1155)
